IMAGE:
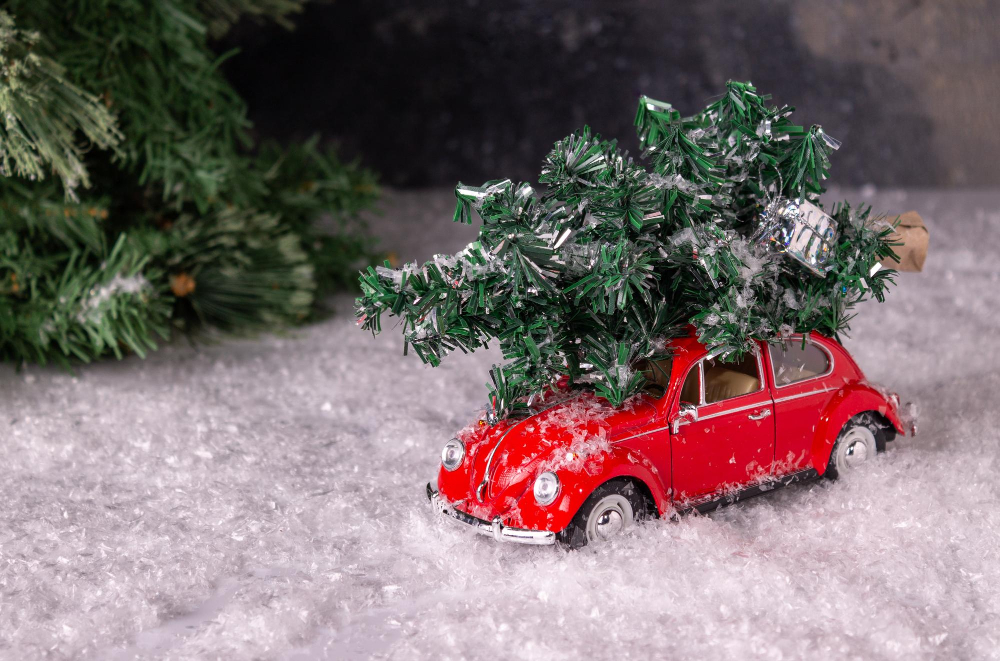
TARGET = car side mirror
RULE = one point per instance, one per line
(688, 413)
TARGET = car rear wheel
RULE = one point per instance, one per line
(612, 509)
(858, 443)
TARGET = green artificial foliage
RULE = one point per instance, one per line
(133, 200)
(590, 276)
(43, 113)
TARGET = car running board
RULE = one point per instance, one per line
(711, 505)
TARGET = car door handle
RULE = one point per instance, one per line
(760, 416)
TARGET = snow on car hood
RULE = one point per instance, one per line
(568, 432)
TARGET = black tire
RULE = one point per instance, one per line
(611, 497)
(866, 433)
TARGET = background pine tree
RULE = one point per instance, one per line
(133, 199)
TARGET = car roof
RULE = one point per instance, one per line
(686, 348)
(690, 348)
(687, 342)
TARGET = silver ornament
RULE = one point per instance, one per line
(801, 230)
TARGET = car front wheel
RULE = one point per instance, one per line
(612, 509)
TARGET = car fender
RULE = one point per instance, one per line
(848, 402)
(577, 485)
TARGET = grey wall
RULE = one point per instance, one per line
(429, 92)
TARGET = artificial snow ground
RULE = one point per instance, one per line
(264, 499)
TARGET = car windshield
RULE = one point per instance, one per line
(657, 375)
(655, 372)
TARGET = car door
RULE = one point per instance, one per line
(651, 440)
(731, 443)
(803, 386)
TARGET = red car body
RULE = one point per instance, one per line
(737, 447)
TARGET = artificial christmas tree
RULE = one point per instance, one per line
(592, 275)
(133, 199)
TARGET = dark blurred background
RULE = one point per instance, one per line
(429, 92)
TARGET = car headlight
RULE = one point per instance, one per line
(452, 454)
(546, 488)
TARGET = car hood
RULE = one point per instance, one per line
(571, 431)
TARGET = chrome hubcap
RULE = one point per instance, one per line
(609, 524)
(856, 447)
(609, 518)
(857, 453)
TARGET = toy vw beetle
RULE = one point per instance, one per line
(703, 433)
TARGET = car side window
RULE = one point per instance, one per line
(727, 380)
(792, 362)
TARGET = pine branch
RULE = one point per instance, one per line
(239, 270)
(44, 114)
(64, 295)
(223, 14)
(151, 63)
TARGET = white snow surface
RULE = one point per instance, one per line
(264, 499)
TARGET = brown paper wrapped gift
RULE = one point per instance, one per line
(912, 233)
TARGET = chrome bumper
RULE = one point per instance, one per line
(494, 529)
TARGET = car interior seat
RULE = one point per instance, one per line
(722, 382)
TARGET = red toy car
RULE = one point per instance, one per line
(702, 434)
